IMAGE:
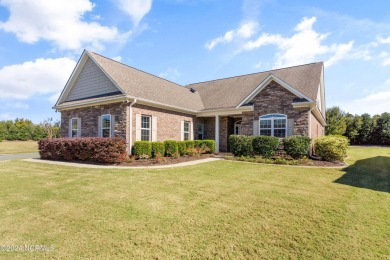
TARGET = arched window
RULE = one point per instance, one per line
(273, 125)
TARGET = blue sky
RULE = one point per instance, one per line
(189, 41)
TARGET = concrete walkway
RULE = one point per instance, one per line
(94, 166)
(5, 157)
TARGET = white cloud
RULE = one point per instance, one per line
(57, 21)
(170, 74)
(385, 56)
(383, 40)
(376, 103)
(136, 9)
(42, 76)
(246, 30)
(302, 47)
(117, 58)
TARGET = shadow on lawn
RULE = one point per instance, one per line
(371, 173)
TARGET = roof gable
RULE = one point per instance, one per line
(231, 92)
(145, 86)
(90, 83)
(266, 82)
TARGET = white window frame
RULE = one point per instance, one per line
(201, 131)
(186, 132)
(105, 127)
(272, 118)
(146, 128)
(237, 124)
(72, 129)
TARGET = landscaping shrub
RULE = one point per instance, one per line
(181, 147)
(171, 147)
(91, 149)
(143, 149)
(296, 146)
(158, 148)
(189, 144)
(198, 143)
(265, 146)
(241, 145)
(331, 148)
(208, 146)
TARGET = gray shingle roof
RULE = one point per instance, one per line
(143, 85)
(230, 92)
(215, 94)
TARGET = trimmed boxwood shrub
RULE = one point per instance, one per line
(241, 145)
(143, 149)
(265, 146)
(331, 148)
(189, 144)
(198, 143)
(181, 146)
(296, 146)
(170, 147)
(90, 149)
(158, 148)
(210, 144)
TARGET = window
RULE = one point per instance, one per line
(74, 126)
(186, 130)
(200, 131)
(106, 125)
(145, 128)
(237, 127)
(273, 125)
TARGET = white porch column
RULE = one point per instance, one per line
(217, 133)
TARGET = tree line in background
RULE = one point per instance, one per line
(24, 129)
(360, 129)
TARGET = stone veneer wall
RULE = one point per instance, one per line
(89, 119)
(276, 99)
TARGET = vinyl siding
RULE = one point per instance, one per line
(91, 82)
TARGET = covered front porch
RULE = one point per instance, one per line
(219, 128)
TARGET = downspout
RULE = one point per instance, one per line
(311, 145)
(131, 125)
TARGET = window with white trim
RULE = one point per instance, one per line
(106, 125)
(273, 125)
(74, 127)
(186, 130)
(145, 128)
(200, 131)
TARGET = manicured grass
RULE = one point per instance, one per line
(216, 210)
(10, 147)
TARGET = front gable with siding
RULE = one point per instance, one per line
(105, 98)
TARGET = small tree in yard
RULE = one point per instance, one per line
(51, 128)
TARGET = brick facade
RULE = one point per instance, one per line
(272, 99)
(276, 99)
(316, 129)
(168, 122)
(89, 119)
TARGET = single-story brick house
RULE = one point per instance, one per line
(106, 98)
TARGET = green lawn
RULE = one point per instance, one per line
(216, 210)
(10, 147)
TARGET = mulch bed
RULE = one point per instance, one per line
(165, 160)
